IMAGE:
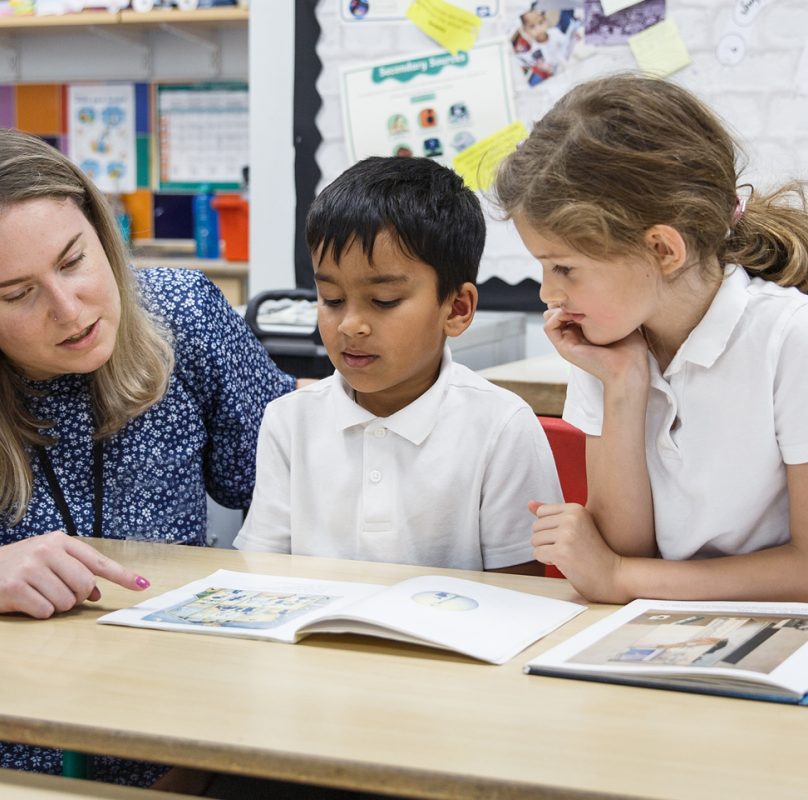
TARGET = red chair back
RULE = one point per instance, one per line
(569, 451)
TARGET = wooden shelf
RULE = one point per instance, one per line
(210, 266)
(231, 277)
(62, 21)
(201, 16)
(175, 16)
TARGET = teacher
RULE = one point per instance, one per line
(125, 397)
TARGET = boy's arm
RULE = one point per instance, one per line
(268, 526)
(775, 574)
(520, 467)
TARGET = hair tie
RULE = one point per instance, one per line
(740, 208)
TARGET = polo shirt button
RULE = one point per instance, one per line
(379, 432)
(375, 476)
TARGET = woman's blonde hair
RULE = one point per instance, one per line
(620, 154)
(136, 375)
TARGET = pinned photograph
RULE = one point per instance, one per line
(603, 29)
(545, 39)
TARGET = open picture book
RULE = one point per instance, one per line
(751, 650)
(475, 619)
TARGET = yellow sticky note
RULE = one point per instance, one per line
(450, 26)
(660, 50)
(477, 164)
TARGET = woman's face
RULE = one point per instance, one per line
(59, 303)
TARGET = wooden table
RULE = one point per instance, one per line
(540, 381)
(374, 714)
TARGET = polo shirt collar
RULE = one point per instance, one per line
(708, 340)
(413, 422)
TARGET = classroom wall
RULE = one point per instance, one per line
(764, 97)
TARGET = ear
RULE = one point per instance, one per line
(461, 306)
(668, 248)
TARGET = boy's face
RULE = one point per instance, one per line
(382, 325)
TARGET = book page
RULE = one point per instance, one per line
(764, 643)
(243, 604)
(476, 619)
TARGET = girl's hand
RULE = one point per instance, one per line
(53, 572)
(565, 535)
(617, 361)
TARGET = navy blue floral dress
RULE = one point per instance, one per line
(200, 438)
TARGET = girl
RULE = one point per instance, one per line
(680, 306)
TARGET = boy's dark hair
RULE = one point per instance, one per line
(433, 215)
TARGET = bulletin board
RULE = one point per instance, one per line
(732, 54)
(495, 293)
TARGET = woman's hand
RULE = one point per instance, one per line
(617, 361)
(565, 535)
(54, 572)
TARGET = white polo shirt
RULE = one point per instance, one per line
(729, 413)
(443, 482)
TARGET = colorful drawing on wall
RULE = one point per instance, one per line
(545, 39)
(433, 105)
(101, 134)
(603, 29)
(353, 11)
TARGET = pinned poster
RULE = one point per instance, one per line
(426, 104)
(660, 50)
(478, 164)
(101, 134)
(450, 26)
(203, 135)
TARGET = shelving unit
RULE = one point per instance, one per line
(167, 44)
(230, 276)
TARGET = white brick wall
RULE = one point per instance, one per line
(758, 98)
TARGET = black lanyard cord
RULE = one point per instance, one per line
(58, 494)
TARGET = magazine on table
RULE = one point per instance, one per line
(476, 619)
(739, 649)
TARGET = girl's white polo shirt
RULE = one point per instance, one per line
(729, 413)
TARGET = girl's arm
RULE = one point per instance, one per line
(619, 490)
(618, 487)
(568, 538)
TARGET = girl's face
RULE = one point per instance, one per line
(607, 299)
(59, 303)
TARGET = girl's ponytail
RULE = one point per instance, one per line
(770, 237)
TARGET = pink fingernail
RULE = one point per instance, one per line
(142, 582)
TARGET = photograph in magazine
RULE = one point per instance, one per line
(727, 641)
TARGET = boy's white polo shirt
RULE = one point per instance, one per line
(729, 413)
(444, 482)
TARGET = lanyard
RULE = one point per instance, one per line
(58, 494)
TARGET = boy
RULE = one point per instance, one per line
(401, 455)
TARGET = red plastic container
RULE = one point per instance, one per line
(234, 225)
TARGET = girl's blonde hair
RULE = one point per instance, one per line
(136, 375)
(617, 155)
